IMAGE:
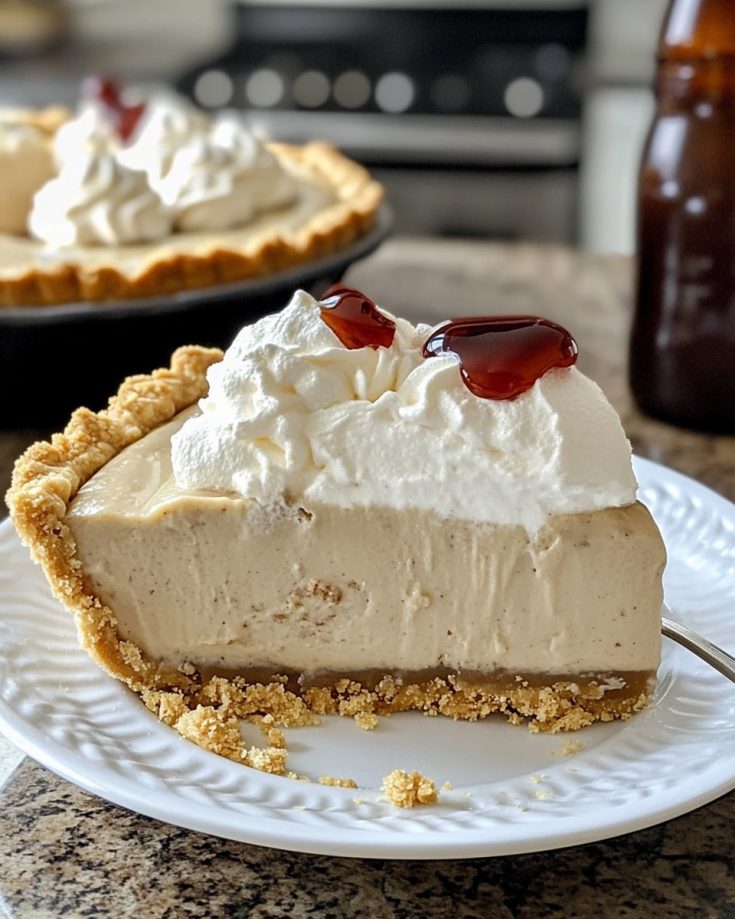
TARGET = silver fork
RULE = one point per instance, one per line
(700, 646)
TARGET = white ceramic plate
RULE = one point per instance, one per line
(510, 794)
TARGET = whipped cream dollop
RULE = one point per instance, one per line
(213, 187)
(180, 170)
(213, 175)
(208, 188)
(90, 131)
(94, 200)
(293, 415)
(271, 185)
(168, 124)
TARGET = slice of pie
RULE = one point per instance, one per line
(350, 514)
(138, 200)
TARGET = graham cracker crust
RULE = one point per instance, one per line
(211, 714)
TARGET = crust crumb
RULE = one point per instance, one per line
(168, 706)
(408, 789)
(272, 734)
(569, 749)
(334, 782)
(368, 721)
(208, 728)
(297, 777)
(270, 759)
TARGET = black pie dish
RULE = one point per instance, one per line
(56, 358)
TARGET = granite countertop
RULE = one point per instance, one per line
(64, 852)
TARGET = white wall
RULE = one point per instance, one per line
(155, 37)
(617, 112)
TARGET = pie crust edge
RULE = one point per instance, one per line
(49, 474)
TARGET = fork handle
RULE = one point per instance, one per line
(714, 656)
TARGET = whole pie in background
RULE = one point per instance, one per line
(129, 199)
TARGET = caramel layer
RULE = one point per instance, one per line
(614, 684)
(547, 702)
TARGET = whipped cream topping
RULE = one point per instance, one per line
(223, 179)
(293, 415)
(208, 188)
(94, 200)
(213, 187)
(90, 131)
(167, 125)
(181, 170)
(271, 185)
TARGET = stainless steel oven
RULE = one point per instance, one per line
(470, 113)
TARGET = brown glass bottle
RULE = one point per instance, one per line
(682, 354)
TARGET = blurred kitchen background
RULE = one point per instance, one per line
(512, 119)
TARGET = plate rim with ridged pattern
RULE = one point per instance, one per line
(60, 709)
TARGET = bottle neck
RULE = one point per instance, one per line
(683, 83)
(698, 30)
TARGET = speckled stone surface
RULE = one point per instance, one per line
(64, 852)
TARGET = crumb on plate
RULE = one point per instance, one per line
(407, 789)
(368, 721)
(569, 749)
(334, 782)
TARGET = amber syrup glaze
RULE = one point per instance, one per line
(355, 319)
(501, 357)
(107, 92)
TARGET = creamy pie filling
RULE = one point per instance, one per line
(317, 592)
(313, 196)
